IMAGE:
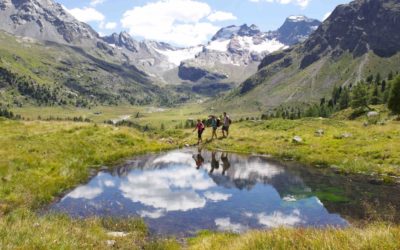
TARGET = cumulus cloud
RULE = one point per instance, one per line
(172, 189)
(225, 224)
(96, 2)
(86, 14)
(302, 3)
(108, 25)
(221, 16)
(183, 22)
(215, 196)
(85, 192)
(278, 219)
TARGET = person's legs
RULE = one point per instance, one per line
(214, 134)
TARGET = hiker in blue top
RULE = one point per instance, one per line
(214, 126)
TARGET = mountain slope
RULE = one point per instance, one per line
(234, 52)
(358, 39)
(49, 51)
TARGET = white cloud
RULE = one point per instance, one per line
(172, 189)
(85, 192)
(86, 14)
(225, 224)
(215, 196)
(326, 16)
(182, 22)
(301, 3)
(108, 25)
(96, 2)
(152, 214)
(278, 219)
(221, 16)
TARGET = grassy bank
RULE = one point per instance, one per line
(345, 145)
(41, 160)
(376, 236)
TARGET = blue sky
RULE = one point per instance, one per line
(190, 22)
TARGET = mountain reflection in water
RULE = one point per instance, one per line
(183, 191)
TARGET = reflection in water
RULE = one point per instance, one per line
(225, 163)
(214, 162)
(198, 159)
(181, 192)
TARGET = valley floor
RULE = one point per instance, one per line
(40, 160)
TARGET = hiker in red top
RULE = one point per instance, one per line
(200, 127)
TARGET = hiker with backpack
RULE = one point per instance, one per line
(200, 127)
(214, 126)
(225, 125)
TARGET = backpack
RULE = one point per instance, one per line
(218, 123)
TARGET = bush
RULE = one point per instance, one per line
(394, 98)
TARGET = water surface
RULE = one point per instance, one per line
(184, 191)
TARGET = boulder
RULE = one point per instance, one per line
(297, 139)
(373, 114)
(319, 133)
(110, 243)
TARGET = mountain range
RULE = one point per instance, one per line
(47, 57)
(357, 40)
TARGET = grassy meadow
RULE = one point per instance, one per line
(41, 160)
(347, 146)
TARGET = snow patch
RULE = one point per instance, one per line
(177, 56)
(218, 45)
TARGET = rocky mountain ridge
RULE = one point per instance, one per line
(357, 40)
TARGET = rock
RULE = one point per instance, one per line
(170, 141)
(319, 132)
(297, 139)
(376, 181)
(111, 243)
(343, 136)
(36, 225)
(372, 114)
(117, 234)
(187, 145)
(365, 124)
(347, 135)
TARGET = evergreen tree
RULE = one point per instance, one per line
(390, 76)
(375, 99)
(360, 97)
(394, 97)
(378, 78)
(344, 100)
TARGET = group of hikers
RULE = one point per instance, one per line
(214, 162)
(215, 122)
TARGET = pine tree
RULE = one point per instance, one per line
(360, 97)
(375, 95)
(344, 100)
(394, 97)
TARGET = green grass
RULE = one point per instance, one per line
(41, 160)
(376, 236)
(370, 150)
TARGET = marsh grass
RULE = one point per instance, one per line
(373, 236)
